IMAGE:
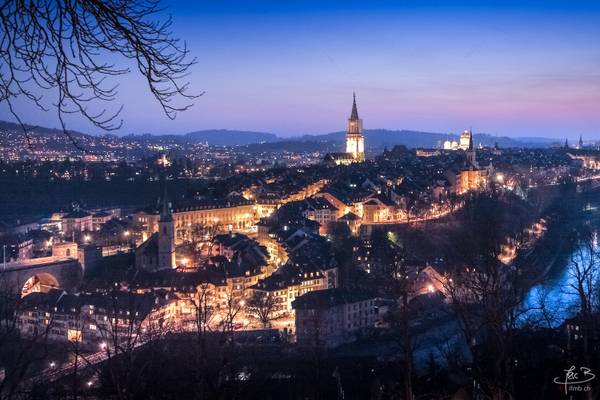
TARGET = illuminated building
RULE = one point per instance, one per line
(232, 215)
(319, 209)
(471, 177)
(306, 191)
(380, 208)
(466, 140)
(94, 319)
(589, 158)
(77, 222)
(450, 145)
(288, 283)
(355, 141)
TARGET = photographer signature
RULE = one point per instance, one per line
(574, 376)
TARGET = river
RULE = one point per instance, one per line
(556, 300)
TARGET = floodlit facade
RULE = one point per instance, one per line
(355, 141)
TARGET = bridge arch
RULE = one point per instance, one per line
(39, 282)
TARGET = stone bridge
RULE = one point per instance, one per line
(40, 274)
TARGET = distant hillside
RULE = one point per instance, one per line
(145, 144)
(6, 126)
(224, 137)
(377, 139)
(292, 146)
(220, 137)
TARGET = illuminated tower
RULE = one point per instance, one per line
(355, 141)
(166, 236)
(471, 157)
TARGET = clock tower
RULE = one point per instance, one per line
(355, 141)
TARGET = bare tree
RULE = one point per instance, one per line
(204, 309)
(233, 306)
(262, 307)
(584, 284)
(63, 48)
(487, 296)
(394, 275)
(131, 321)
(19, 349)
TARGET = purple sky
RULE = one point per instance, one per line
(507, 68)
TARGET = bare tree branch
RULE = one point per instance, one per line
(61, 48)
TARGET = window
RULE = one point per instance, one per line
(74, 335)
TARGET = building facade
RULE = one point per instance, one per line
(329, 318)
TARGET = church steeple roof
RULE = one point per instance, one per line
(470, 139)
(354, 114)
(165, 215)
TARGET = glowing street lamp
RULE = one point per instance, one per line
(87, 238)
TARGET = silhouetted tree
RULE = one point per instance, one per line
(262, 307)
(63, 48)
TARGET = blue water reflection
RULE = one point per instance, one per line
(555, 300)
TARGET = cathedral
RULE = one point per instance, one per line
(355, 141)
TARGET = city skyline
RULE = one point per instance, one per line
(510, 69)
(368, 200)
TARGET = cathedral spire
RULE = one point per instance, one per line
(165, 215)
(354, 114)
(470, 139)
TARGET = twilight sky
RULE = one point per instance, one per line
(514, 68)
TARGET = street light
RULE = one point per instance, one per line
(103, 346)
(52, 364)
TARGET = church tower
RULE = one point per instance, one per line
(166, 236)
(471, 157)
(355, 141)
